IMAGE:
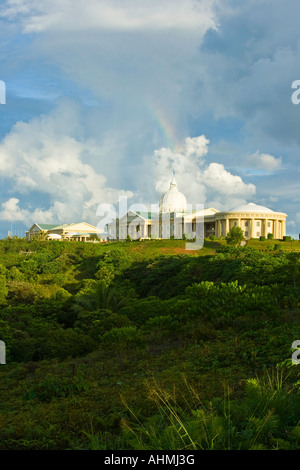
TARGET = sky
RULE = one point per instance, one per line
(102, 100)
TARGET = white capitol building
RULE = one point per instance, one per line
(176, 218)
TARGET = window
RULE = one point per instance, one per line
(246, 223)
(246, 234)
(258, 234)
(269, 224)
(258, 223)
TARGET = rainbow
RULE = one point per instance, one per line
(167, 131)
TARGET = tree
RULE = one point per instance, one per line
(3, 287)
(94, 236)
(234, 236)
(97, 295)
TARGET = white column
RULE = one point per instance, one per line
(217, 228)
(226, 226)
(252, 231)
(283, 228)
(276, 229)
(266, 228)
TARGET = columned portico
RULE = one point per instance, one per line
(173, 219)
(254, 220)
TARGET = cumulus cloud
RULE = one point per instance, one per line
(11, 211)
(221, 68)
(259, 53)
(40, 156)
(264, 161)
(222, 181)
(133, 55)
(126, 15)
(202, 184)
(196, 146)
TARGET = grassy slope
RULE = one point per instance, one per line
(94, 401)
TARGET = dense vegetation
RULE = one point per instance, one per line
(145, 345)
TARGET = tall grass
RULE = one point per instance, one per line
(267, 417)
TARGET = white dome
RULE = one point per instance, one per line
(251, 207)
(173, 200)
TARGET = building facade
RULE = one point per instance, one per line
(253, 219)
(81, 231)
(176, 219)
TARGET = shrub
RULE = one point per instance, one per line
(13, 274)
(226, 301)
(278, 246)
(21, 292)
(53, 388)
(141, 310)
(262, 238)
(164, 322)
(287, 238)
(106, 274)
(121, 337)
(48, 341)
(234, 236)
(52, 267)
(94, 236)
(30, 269)
(270, 236)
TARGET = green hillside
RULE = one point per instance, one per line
(149, 345)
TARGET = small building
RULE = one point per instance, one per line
(81, 231)
(38, 230)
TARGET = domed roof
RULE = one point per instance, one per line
(173, 200)
(251, 207)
